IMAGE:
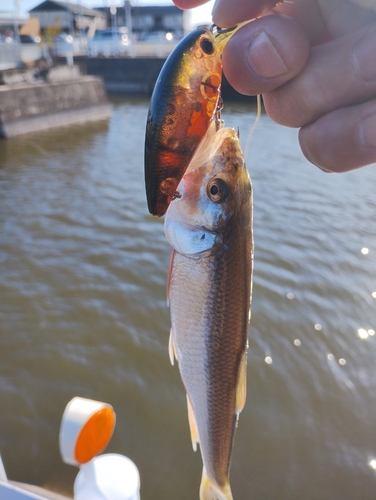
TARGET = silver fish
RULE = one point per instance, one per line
(209, 227)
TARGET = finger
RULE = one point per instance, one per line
(342, 16)
(325, 19)
(265, 54)
(189, 4)
(339, 73)
(227, 13)
(309, 15)
(342, 140)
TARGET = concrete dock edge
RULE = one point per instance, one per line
(30, 107)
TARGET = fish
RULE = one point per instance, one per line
(209, 287)
(184, 101)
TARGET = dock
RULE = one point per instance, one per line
(61, 98)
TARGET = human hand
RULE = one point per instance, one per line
(313, 61)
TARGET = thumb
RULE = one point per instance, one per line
(265, 54)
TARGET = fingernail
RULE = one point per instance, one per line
(264, 59)
(367, 131)
(364, 57)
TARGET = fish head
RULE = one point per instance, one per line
(210, 193)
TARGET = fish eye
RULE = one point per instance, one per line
(207, 46)
(217, 190)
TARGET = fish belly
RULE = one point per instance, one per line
(209, 300)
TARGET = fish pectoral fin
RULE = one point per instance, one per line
(169, 274)
(241, 389)
(209, 490)
(171, 348)
(192, 425)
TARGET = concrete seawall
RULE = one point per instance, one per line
(123, 74)
(29, 107)
(136, 75)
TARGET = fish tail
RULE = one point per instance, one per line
(209, 490)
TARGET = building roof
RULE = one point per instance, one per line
(11, 20)
(53, 5)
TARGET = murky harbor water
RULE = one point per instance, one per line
(83, 312)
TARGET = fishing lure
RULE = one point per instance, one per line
(186, 98)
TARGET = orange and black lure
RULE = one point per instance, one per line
(185, 100)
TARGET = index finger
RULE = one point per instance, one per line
(227, 14)
(342, 17)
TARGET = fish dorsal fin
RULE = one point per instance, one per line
(169, 274)
(171, 348)
(209, 490)
(241, 389)
(192, 425)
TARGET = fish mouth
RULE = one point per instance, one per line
(188, 239)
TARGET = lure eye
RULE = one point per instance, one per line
(207, 46)
(217, 190)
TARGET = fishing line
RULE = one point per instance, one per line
(257, 119)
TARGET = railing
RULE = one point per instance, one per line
(10, 55)
(14, 54)
(30, 52)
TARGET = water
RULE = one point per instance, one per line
(83, 312)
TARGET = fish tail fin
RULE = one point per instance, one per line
(209, 490)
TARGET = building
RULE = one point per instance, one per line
(146, 20)
(67, 16)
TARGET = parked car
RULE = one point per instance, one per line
(156, 44)
(7, 39)
(10, 52)
(110, 42)
(29, 39)
(157, 37)
(65, 44)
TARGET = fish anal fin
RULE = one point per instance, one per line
(241, 389)
(209, 490)
(169, 274)
(171, 348)
(192, 425)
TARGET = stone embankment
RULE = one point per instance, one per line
(42, 98)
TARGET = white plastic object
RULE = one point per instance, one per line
(108, 477)
(86, 429)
